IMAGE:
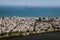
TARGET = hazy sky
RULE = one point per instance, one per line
(30, 2)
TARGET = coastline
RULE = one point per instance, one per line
(33, 25)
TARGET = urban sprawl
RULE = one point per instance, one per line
(28, 25)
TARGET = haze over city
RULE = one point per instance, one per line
(30, 2)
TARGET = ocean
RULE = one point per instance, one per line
(30, 11)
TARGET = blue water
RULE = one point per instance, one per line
(30, 11)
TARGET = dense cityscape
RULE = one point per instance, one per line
(15, 26)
